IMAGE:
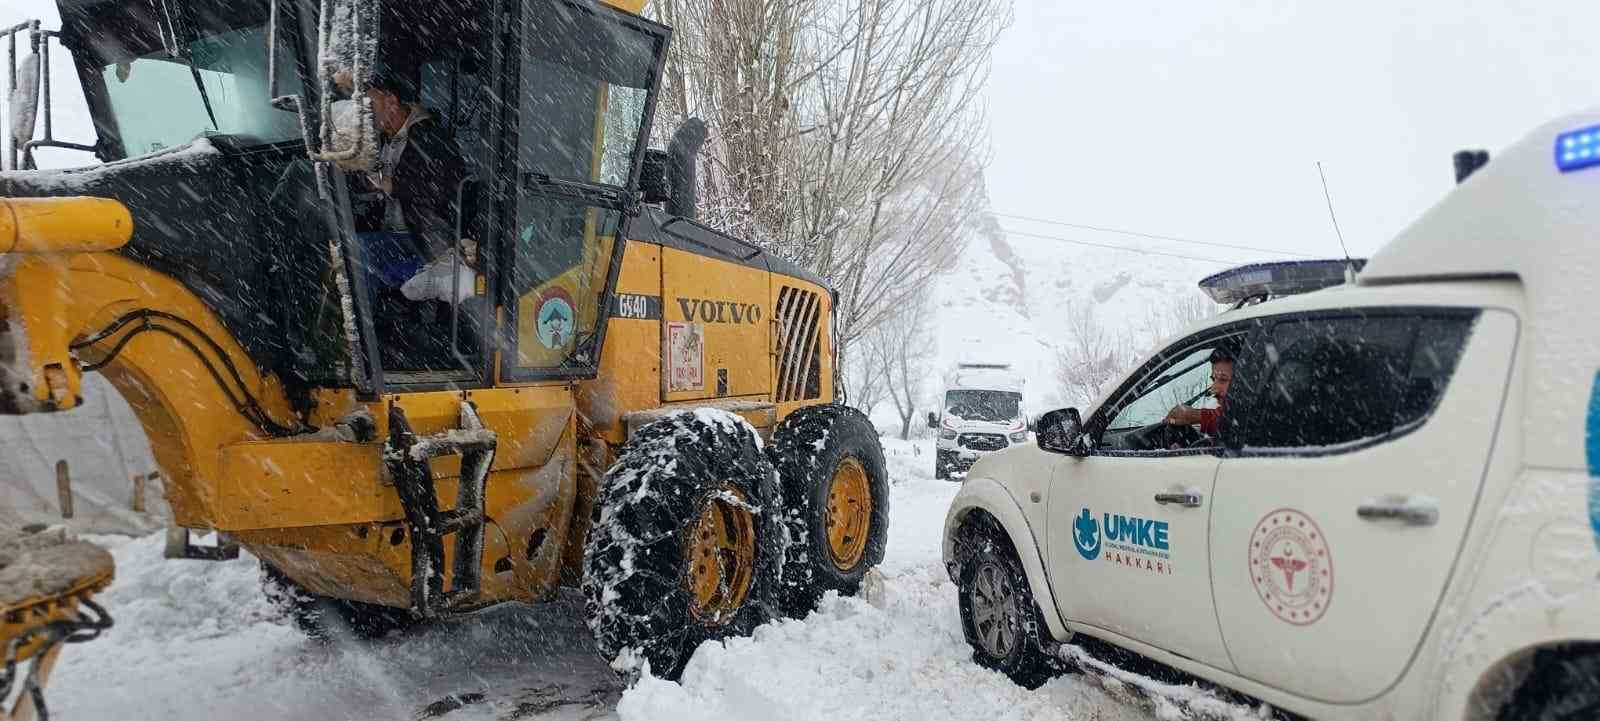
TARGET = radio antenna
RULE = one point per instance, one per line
(1325, 196)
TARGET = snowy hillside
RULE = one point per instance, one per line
(1010, 297)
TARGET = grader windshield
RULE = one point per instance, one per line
(160, 79)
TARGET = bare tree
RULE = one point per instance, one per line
(902, 346)
(738, 65)
(1091, 358)
(865, 380)
(898, 148)
(845, 135)
(1163, 321)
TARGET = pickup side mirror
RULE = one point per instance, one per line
(1061, 431)
(653, 186)
(933, 419)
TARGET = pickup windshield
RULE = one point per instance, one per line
(157, 76)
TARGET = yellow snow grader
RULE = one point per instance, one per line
(612, 395)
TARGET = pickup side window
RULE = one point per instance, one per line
(1133, 422)
(1338, 382)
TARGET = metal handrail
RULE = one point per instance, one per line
(39, 44)
(327, 67)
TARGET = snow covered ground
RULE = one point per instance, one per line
(197, 640)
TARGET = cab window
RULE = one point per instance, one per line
(1332, 383)
(1135, 420)
(1183, 382)
(584, 79)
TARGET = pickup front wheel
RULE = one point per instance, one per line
(999, 616)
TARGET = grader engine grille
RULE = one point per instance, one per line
(799, 315)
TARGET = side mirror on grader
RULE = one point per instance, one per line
(606, 366)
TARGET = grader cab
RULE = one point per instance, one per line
(611, 395)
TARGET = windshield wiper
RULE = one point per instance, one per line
(187, 55)
(596, 193)
(201, 86)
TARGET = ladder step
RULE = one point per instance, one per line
(453, 599)
(459, 519)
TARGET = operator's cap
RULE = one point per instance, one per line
(394, 78)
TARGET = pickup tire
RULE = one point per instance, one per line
(1564, 686)
(836, 500)
(686, 544)
(999, 616)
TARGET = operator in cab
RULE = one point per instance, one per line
(413, 188)
(1209, 419)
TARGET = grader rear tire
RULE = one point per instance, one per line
(686, 544)
(836, 499)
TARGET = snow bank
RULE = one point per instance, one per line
(104, 447)
(198, 640)
(896, 653)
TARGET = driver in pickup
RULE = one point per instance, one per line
(1208, 418)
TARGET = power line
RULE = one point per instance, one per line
(1119, 247)
(1152, 236)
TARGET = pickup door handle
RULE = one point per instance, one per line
(1410, 510)
(1187, 500)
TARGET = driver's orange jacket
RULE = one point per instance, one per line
(1211, 417)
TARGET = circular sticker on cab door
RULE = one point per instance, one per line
(1291, 566)
(554, 319)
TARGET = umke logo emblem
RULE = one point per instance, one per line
(1086, 535)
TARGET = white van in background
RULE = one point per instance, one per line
(981, 412)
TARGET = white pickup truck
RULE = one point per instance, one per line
(1397, 514)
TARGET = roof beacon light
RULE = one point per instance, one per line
(1578, 149)
(1258, 282)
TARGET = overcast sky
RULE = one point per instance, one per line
(1204, 119)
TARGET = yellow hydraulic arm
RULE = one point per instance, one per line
(39, 231)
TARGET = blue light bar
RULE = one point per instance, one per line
(1263, 281)
(1578, 149)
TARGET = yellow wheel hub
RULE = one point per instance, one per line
(721, 552)
(849, 514)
